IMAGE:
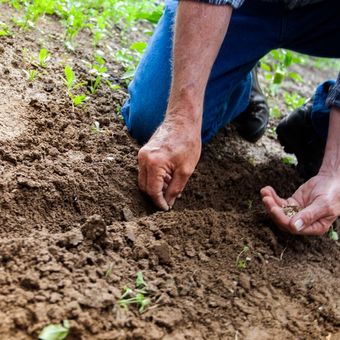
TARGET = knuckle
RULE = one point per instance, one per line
(331, 210)
(142, 154)
(185, 172)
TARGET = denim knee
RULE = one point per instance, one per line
(141, 118)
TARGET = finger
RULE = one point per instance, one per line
(176, 186)
(142, 171)
(309, 216)
(281, 219)
(165, 187)
(154, 188)
(167, 178)
(142, 178)
(318, 228)
(269, 191)
(276, 213)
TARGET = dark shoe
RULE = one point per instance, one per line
(297, 135)
(252, 123)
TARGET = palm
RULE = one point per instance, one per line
(318, 200)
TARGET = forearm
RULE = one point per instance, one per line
(199, 32)
(331, 161)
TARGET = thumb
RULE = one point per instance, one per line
(307, 216)
(176, 186)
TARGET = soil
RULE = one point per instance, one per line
(75, 230)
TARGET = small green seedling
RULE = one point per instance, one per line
(71, 84)
(114, 87)
(31, 74)
(95, 127)
(55, 331)
(241, 260)
(95, 85)
(109, 270)
(289, 160)
(333, 235)
(70, 78)
(140, 283)
(44, 56)
(4, 30)
(137, 296)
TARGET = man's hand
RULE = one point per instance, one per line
(318, 199)
(167, 161)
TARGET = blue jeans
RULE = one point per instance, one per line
(255, 29)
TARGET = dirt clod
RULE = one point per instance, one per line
(94, 228)
(162, 251)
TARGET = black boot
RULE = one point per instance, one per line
(252, 123)
(297, 135)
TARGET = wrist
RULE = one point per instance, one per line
(185, 117)
(331, 161)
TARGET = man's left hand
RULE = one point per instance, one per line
(318, 199)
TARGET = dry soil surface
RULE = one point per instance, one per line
(71, 210)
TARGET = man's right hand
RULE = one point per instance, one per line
(168, 160)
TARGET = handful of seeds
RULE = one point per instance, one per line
(291, 210)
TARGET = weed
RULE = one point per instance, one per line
(137, 296)
(55, 331)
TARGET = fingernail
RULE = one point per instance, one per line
(298, 224)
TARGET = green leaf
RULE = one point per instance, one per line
(279, 76)
(55, 331)
(70, 77)
(4, 30)
(77, 100)
(289, 160)
(138, 46)
(265, 66)
(128, 74)
(140, 283)
(295, 76)
(333, 235)
(288, 59)
(43, 57)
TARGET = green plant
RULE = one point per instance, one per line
(293, 100)
(332, 234)
(43, 57)
(241, 260)
(55, 331)
(289, 160)
(95, 127)
(276, 68)
(137, 296)
(4, 30)
(70, 82)
(31, 74)
(109, 270)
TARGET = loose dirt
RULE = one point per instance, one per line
(75, 230)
